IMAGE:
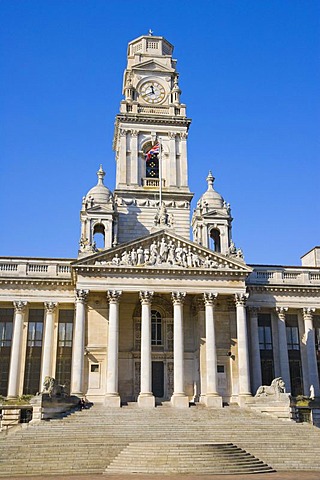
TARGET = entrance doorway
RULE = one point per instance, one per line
(158, 379)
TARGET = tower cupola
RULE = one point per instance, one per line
(98, 218)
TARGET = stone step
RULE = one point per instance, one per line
(185, 458)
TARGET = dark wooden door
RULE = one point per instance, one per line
(158, 379)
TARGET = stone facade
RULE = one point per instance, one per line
(149, 315)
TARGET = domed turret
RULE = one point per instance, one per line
(211, 220)
(99, 194)
(211, 198)
(98, 218)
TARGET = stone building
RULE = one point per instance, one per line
(145, 314)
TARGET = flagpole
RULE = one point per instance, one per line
(160, 174)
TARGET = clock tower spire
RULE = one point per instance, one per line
(151, 112)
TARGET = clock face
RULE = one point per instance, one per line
(152, 92)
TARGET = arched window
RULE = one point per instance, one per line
(152, 167)
(99, 235)
(215, 243)
(156, 328)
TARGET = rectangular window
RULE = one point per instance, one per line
(6, 331)
(64, 350)
(264, 330)
(34, 352)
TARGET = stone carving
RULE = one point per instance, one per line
(53, 388)
(277, 386)
(166, 253)
(178, 298)
(162, 218)
(234, 252)
(19, 306)
(82, 295)
(241, 299)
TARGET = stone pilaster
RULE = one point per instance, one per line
(283, 347)
(179, 398)
(112, 398)
(311, 351)
(134, 158)
(78, 343)
(255, 349)
(16, 347)
(47, 349)
(212, 398)
(243, 347)
(146, 397)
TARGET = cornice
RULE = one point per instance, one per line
(284, 289)
(35, 282)
(91, 270)
(152, 119)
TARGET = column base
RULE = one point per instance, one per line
(243, 399)
(180, 401)
(213, 401)
(113, 401)
(146, 401)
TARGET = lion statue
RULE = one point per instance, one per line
(277, 386)
(53, 388)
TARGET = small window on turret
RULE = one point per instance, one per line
(99, 236)
(215, 243)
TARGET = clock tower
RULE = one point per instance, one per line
(151, 113)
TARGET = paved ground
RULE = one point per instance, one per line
(292, 475)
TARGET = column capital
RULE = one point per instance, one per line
(19, 306)
(178, 298)
(82, 295)
(50, 306)
(308, 313)
(281, 311)
(146, 297)
(113, 296)
(241, 299)
(210, 298)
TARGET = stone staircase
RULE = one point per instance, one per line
(120, 441)
(173, 457)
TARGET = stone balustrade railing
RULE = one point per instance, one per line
(21, 267)
(284, 276)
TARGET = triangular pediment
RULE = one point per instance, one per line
(152, 65)
(163, 250)
(215, 214)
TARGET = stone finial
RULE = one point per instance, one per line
(210, 179)
(101, 173)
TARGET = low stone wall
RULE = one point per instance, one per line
(46, 407)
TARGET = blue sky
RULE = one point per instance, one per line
(249, 74)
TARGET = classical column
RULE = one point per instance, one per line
(16, 347)
(255, 349)
(212, 398)
(146, 397)
(112, 398)
(78, 343)
(243, 348)
(311, 352)
(179, 398)
(283, 347)
(47, 349)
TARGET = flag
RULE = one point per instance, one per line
(153, 151)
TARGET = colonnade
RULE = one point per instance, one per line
(179, 397)
(309, 361)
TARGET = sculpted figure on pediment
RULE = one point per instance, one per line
(165, 252)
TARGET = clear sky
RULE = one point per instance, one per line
(249, 74)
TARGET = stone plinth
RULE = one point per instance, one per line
(213, 401)
(113, 401)
(180, 401)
